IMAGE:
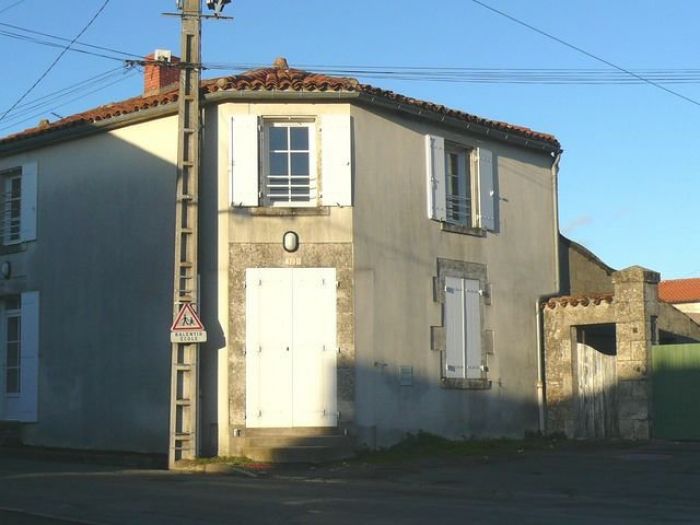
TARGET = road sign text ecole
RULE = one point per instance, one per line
(187, 327)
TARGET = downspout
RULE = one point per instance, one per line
(538, 305)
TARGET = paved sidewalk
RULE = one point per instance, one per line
(654, 483)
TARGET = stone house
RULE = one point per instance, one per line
(420, 239)
(598, 347)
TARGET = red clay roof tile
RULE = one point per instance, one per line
(271, 79)
(582, 299)
(680, 291)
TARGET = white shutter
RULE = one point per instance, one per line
(454, 328)
(336, 160)
(29, 363)
(487, 191)
(472, 328)
(435, 171)
(314, 376)
(28, 202)
(244, 160)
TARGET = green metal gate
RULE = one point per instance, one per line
(676, 391)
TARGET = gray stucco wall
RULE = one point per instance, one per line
(581, 271)
(396, 248)
(102, 263)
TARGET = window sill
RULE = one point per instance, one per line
(463, 229)
(9, 249)
(466, 384)
(280, 211)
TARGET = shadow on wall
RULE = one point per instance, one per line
(103, 266)
(393, 401)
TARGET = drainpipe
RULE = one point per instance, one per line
(542, 298)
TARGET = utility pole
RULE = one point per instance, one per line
(184, 388)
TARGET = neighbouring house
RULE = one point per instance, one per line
(684, 294)
(598, 342)
(426, 237)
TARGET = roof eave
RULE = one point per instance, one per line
(85, 129)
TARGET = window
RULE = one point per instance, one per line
(18, 204)
(19, 356)
(458, 194)
(462, 317)
(301, 161)
(289, 167)
(461, 185)
(13, 346)
(11, 206)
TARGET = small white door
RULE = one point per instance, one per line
(290, 347)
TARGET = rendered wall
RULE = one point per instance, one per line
(251, 237)
(581, 271)
(396, 251)
(102, 263)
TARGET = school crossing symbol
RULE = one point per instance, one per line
(187, 327)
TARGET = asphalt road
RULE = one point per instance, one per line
(657, 483)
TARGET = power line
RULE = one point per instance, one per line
(49, 100)
(63, 39)
(11, 6)
(551, 76)
(60, 55)
(35, 40)
(584, 52)
(74, 99)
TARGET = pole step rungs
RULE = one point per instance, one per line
(182, 402)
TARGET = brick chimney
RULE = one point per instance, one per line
(160, 72)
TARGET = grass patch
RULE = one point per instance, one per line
(217, 460)
(425, 445)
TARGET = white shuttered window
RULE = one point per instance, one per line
(454, 195)
(18, 187)
(20, 357)
(278, 161)
(462, 329)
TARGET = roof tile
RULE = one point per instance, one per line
(680, 290)
(582, 299)
(270, 79)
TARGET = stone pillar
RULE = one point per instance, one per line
(636, 301)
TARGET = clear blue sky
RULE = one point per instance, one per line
(629, 180)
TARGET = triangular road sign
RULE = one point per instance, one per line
(187, 320)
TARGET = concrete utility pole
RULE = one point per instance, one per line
(184, 393)
(184, 371)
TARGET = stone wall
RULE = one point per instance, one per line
(560, 316)
(636, 303)
(309, 255)
(637, 314)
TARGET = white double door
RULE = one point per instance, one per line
(291, 352)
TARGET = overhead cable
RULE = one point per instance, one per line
(63, 39)
(60, 55)
(11, 6)
(74, 99)
(588, 54)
